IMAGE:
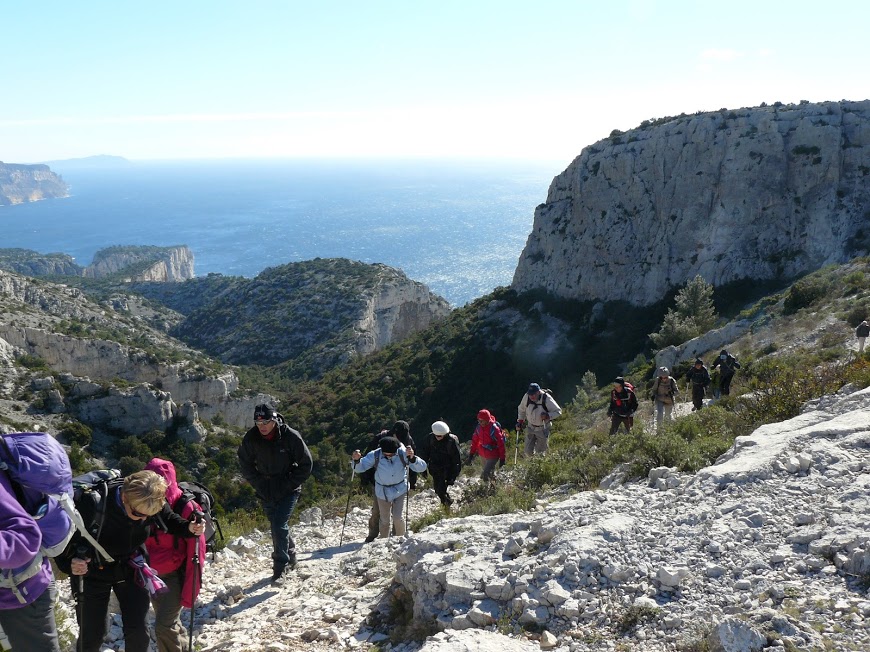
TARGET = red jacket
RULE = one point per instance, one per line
(488, 442)
(169, 553)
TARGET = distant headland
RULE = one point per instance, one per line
(26, 183)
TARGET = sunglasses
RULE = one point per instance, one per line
(135, 513)
(263, 422)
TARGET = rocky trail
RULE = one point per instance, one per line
(767, 550)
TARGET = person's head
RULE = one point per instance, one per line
(440, 430)
(400, 430)
(699, 362)
(534, 391)
(723, 354)
(618, 383)
(389, 446)
(664, 372)
(265, 418)
(484, 417)
(143, 494)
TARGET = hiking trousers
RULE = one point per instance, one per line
(278, 512)
(616, 421)
(394, 509)
(439, 480)
(32, 627)
(537, 439)
(663, 410)
(488, 472)
(725, 384)
(132, 599)
(171, 634)
(698, 393)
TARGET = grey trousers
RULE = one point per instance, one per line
(395, 510)
(171, 634)
(32, 628)
(537, 440)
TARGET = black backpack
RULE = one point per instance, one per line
(96, 485)
(200, 494)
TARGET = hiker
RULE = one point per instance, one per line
(173, 559)
(623, 405)
(700, 379)
(26, 608)
(391, 461)
(534, 413)
(274, 458)
(444, 460)
(727, 365)
(402, 431)
(862, 333)
(664, 393)
(123, 521)
(368, 480)
(488, 442)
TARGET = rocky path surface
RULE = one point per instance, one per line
(767, 550)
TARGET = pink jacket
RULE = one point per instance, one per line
(169, 553)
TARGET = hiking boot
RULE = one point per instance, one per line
(370, 538)
(278, 578)
(292, 563)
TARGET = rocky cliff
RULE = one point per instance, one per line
(143, 263)
(762, 193)
(26, 183)
(33, 263)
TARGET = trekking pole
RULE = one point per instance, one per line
(347, 506)
(197, 578)
(81, 553)
(520, 431)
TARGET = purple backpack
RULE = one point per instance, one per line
(40, 474)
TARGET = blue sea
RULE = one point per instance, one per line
(459, 227)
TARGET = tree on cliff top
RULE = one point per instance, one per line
(693, 315)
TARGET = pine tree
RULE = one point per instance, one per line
(693, 315)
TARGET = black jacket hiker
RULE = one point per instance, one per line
(445, 462)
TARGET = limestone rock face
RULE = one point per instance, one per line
(163, 264)
(26, 183)
(762, 193)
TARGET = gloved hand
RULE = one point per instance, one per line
(545, 417)
(500, 463)
(521, 424)
(470, 457)
(610, 413)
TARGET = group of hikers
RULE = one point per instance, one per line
(143, 538)
(664, 391)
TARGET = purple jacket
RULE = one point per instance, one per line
(20, 539)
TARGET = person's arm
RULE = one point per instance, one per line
(521, 408)
(248, 467)
(304, 463)
(19, 534)
(552, 407)
(176, 524)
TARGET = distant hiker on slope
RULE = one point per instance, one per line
(862, 333)
(441, 450)
(534, 413)
(391, 461)
(623, 405)
(488, 442)
(700, 379)
(275, 460)
(664, 393)
(172, 558)
(727, 365)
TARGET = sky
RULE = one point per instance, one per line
(530, 80)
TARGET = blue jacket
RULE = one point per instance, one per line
(391, 476)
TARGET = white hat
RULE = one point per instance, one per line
(440, 428)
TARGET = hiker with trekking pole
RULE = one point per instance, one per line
(535, 413)
(123, 514)
(177, 561)
(391, 461)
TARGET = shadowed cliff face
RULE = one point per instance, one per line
(26, 183)
(761, 193)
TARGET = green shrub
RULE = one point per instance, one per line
(803, 293)
(77, 433)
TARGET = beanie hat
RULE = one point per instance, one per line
(485, 415)
(440, 428)
(699, 361)
(264, 412)
(389, 445)
(619, 380)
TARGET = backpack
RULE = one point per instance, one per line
(39, 472)
(95, 485)
(199, 493)
(496, 433)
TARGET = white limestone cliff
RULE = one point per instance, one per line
(761, 193)
(163, 264)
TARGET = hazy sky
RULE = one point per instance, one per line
(501, 79)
